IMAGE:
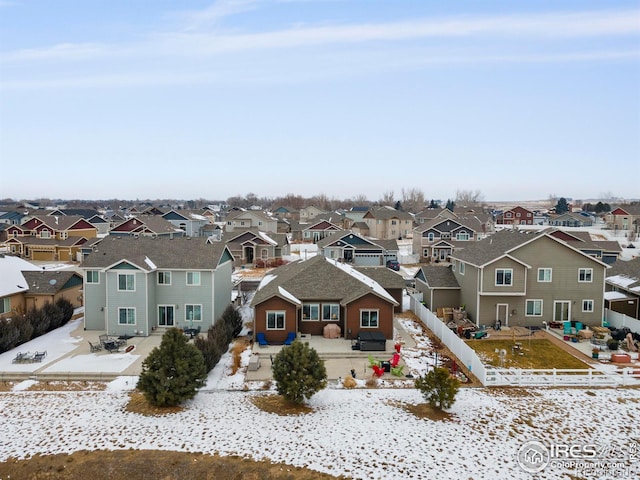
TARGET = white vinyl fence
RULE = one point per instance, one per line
(492, 376)
(620, 320)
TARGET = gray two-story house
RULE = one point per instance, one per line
(528, 278)
(133, 286)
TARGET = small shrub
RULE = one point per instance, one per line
(299, 372)
(438, 387)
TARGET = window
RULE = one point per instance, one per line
(518, 214)
(126, 282)
(164, 278)
(126, 316)
(193, 278)
(508, 214)
(93, 276)
(311, 312)
(369, 318)
(585, 275)
(504, 276)
(461, 268)
(453, 267)
(193, 313)
(430, 237)
(587, 305)
(544, 274)
(5, 305)
(275, 320)
(45, 234)
(463, 236)
(330, 311)
(534, 308)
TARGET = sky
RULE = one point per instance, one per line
(342, 98)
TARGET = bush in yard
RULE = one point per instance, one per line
(233, 320)
(438, 388)
(219, 336)
(173, 372)
(299, 372)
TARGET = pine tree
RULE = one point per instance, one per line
(173, 372)
(562, 206)
(438, 388)
(299, 372)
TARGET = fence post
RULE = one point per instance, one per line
(554, 377)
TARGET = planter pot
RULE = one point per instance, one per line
(595, 355)
(574, 340)
(566, 338)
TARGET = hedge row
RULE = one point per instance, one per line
(219, 336)
(20, 329)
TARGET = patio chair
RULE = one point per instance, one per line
(95, 347)
(103, 338)
(262, 341)
(291, 336)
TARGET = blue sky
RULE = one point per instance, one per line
(201, 99)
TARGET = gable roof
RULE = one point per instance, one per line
(502, 243)
(183, 253)
(438, 276)
(49, 282)
(386, 213)
(625, 274)
(318, 279)
(12, 270)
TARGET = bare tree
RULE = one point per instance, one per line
(412, 200)
(468, 198)
(361, 200)
(387, 198)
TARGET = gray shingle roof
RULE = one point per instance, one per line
(439, 276)
(47, 282)
(171, 253)
(315, 279)
(493, 247)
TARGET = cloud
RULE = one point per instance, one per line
(215, 13)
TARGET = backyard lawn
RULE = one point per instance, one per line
(531, 354)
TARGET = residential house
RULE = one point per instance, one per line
(387, 223)
(391, 281)
(313, 232)
(571, 219)
(516, 216)
(243, 219)
(13, 285)
(49, 286)
(191, 223)
(607, 251)
(623, 288)
(308, 214)
(438, 286)
(624, 217)
(304, 296)
(133, 286)
(524, 278)
(102, 224)
(148, 226)
(436, 239)
(50, 238)
(252, 246)
(349, 247)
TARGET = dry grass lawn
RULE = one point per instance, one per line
(539, 353)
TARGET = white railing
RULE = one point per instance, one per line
(492, 376)
(461, 350)
(620, 320)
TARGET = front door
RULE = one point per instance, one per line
(561, 311)
(502, 314)
(165, 315)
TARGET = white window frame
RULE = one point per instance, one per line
(461, 268)
(585, 275)
(5, 305)
(93, 276)
(127, 277)
(370, 321)
(313, 310)
(333, 309)
(44, 233)
(462, 236)
(193, 279)
(588, 305)
(164, 277)
(536, 312)
(127, 311)
(542, 274)
(194, 308)
(275, 315)
(431, 237)
(504, 272)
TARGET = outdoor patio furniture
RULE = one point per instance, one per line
(95, 347)
(291, 336)
(192, 332)
(262, 341)
(38, 356)
(111, 346)
(20, 357)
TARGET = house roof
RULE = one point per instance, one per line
(472, 222)
(12, 270)
(625, 274)
(386, 212)
(185, 253)
(318, 278)
(502, 243)
(48, 282)
(384, 276)
(438, 276)
(61, 222)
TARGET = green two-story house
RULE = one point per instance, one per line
(133, 286)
